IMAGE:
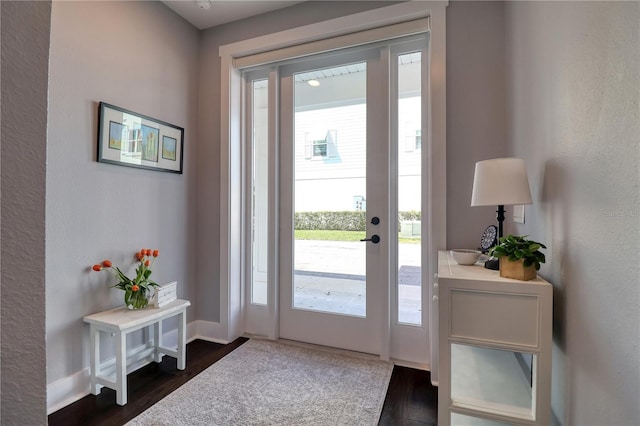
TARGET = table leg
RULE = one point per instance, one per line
(121, 368)
(182, 340)
(157, 341)
(95, 358)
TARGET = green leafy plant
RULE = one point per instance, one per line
(516, 248)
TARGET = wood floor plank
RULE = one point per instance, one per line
(410, 399)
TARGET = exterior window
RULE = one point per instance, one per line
(412, 134)
(320, 148)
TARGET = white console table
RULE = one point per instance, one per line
(120, 322)
(494, 347)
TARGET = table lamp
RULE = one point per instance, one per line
(500, 182)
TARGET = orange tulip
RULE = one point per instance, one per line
(106, 263)
(143, 251)
(97, 268)
(139, 256)
(135, 288)
(147, 263)
(148, 252)
(156, 253)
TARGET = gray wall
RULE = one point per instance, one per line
(476, 111)
(142, 57)
(25, 57)
(573, 90)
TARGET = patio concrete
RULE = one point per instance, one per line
(330, 276)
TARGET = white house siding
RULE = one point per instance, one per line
(331, 183)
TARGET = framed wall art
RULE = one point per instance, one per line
(130, 139)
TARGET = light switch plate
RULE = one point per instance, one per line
(518, 213)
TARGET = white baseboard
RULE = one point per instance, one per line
(76, 386)
(411, 364)
(67, 390)
(209, 331)
(72, 388)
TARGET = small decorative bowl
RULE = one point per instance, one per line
(465, 257)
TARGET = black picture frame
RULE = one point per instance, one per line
(127, 138)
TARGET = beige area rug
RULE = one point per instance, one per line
(276, 383)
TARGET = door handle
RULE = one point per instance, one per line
(375, 239)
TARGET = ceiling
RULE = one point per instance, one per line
(204, 14)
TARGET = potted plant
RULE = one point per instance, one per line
(519, 258)
(138, 289)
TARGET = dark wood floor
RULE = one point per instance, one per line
(411, 400)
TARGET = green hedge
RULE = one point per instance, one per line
(409, 215)
(343, 221)
(340, 221)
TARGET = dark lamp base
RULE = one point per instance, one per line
(493, 264)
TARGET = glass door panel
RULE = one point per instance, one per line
(409, 188)
(259, 191)
(330, 167)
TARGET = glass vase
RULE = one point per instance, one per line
(136, 299)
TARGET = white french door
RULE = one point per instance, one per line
(335, 158)
(333, 164)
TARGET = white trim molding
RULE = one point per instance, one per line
(434, 195)
(207, 330)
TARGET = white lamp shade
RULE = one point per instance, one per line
(500, 181)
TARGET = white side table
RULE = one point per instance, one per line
(491, 331)
(120, 322)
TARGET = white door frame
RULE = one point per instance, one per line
(232, 227)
